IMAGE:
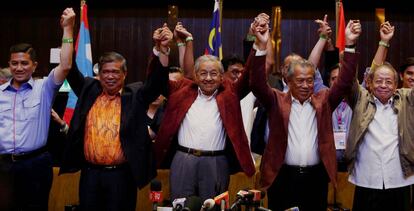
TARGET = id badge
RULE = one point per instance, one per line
(340, 139)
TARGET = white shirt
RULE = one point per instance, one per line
(378, 162)
(302, 147)
(285, 86)
(202, 127)
(248, 113)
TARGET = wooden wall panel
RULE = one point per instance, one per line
(129, 32)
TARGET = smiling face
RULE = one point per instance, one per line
(408, 77)
(301, 83)
(209, 77)
(301, 80)
(112, 77)
(208, 74)
(21, 66)
(383, 83)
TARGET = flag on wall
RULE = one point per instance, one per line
(83, 58)
(214, 46)
(340, 33)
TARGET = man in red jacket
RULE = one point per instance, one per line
(203, 128)
(299, 158)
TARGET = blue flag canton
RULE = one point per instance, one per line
(214, 38)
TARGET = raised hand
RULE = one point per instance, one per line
(386, 32)
(260, 28)
(162, 36)
(68, 18)
(324, 28)
(166, 36)
(352, 31)
(181, 33)
(156, 36)
(264, 17)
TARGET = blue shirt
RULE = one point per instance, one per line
(25, 114)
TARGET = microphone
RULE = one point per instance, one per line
(164, 209)
(257, 195)
(155, 194)
(293, 209)
(256, 198)
(263, 209)
(178, 204)
(208, 205)
(240, 197)
(192, 203)
(223, 201)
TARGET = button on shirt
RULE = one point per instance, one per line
(202, 127)
(25, 114)
(302, 148)
(318, 85)
(378, 162)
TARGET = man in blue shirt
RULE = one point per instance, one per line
(25, 110)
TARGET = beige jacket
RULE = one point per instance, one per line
(363, 106)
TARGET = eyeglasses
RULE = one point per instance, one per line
(205, 74)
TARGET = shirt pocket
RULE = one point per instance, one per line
(31, 108)
(5, 113)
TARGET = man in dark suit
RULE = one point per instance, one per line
(299, 158)
(203, 128)
(108, 137)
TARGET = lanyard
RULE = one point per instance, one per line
(339, 112)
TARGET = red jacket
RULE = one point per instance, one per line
(278, 105)
(183, 93)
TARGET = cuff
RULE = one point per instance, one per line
(259, 52)
(349, 50)
(157, 52)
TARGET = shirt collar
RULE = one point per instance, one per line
(8, 85)
(200, 93)
(378, 102)
(113, 96)
(297, 101)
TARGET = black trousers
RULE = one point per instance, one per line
(103, 189)
(305, 188)
(395, 199)
(25, 184)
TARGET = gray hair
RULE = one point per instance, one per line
(300, 62)
(5, 73)
(386, 65)
(208, 58)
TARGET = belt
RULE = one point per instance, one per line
(303, 169)
(23, 155)
(106, 167)
(199, 153)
